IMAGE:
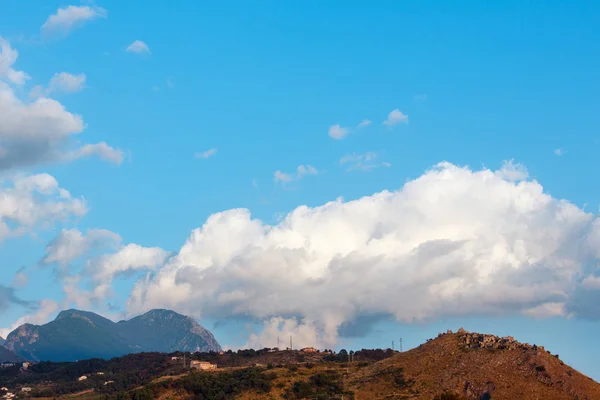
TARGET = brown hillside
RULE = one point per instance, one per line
(473, 366)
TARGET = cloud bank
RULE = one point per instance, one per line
(452, 242)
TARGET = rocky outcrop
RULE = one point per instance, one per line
(485, 341)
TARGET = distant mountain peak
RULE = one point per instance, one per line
(77, 335)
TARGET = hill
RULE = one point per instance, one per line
(475, 366)
(77, 335)
(454, 366)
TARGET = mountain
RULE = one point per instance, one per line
(8, 356)
(2, 341)
(166, 331)
(474, 366)
(76, 335)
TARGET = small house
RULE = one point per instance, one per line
(82, 378)
(203, 365)
(309, 350)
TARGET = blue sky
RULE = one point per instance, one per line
(262, 83)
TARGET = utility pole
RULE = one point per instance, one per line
(400, 345)
(392, 345)
(184, 360)
(291, 345)
(277, 342)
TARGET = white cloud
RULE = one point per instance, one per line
(303, 333)
(101, 150)
(28, 202)
(20, 279)
(206, 154)
(559, 152)
(71, 245)
(40, 131)
(337, 132)
(8, 56)
(129, 258)
(512, 171)
(421, 97)
(60, 82)
(592, 282)
(451, 242)
(87, 264)
(301, 172)
(364, 123)
(362, 162)
(66, 82)
(396, 117)
(70, 17)
(138, 47)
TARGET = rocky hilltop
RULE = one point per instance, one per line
(475, 366)
(77, 335)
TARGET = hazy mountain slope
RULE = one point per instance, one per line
(167, 331)
(69, 337)
(2, 341)
(475, 367)
(8, 356)
(77, 335)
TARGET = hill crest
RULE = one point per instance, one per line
(476, 366)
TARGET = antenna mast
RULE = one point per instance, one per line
(400, 345)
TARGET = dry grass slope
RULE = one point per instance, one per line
(452, 363)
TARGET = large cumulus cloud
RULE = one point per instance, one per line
(452, 242)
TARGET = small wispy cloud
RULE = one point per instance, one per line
(68, 18)
(337, 131)
(66, 82)
(138, 47)
(559, 152)
(362, 162)
(206, 154)
(396, 117)
(170, 82)
(364, 123)
(301, 172)
(421, 97)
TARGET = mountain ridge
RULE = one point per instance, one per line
(76, 335)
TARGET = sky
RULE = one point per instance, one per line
(349, 173)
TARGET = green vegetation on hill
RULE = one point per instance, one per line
(207, 386)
